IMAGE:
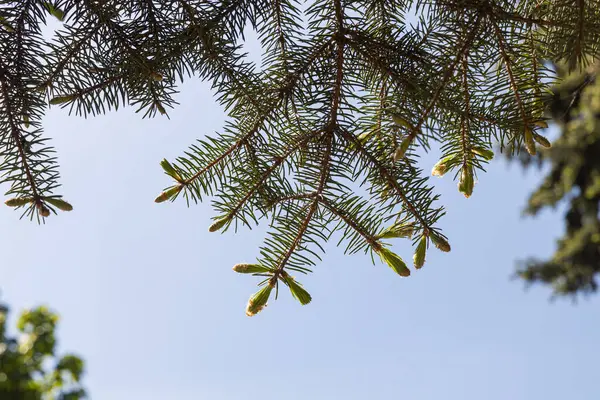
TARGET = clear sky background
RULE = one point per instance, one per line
(147, 296)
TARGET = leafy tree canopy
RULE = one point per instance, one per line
(347, 92)
(29, 366)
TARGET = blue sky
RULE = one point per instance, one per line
(148, 298)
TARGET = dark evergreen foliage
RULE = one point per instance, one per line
(574, 178)
(347, 91)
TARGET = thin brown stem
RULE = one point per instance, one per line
(16, 136)
(446, 78)
(509, 71)
(288, 83)
(370, 239)
(278, 161)
(391, 181)
(578, 51)
(465, 128)
(325, 163)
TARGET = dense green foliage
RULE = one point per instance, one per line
(347, 92)
(574, 178)
(29, 367)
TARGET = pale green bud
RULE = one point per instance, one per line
(402, 149)
(58, 203)
(542, 140)
(486, 154)
(393, 261)
(397, 231)
(218, 224)
(43, 210)
(441, 167)
(18, 201)
(439, 241)
(297, 290)
(250, 268)
(398, 120)
(62, 99)
(258, 301)
(168, 194)
(168, 168)
(466, 182)
(529, 141)
(419, 256)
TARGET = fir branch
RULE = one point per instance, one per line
(313, 208)
(464, 121)
(508, 65)
(578, 50)
(16, 136)
(287, 86)
(329, 134)
(446, 78)
(385, 174)
(274, 166)
(370, 239)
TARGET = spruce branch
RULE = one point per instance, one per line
(286, 86)
(345, 95)
(513, 83)
(17, 138)
(369, 238)
(445, 79)
(387, 177)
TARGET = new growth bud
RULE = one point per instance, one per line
(218, 224)
(58, 203)
(258, 301)
(486, 154)
(393, 261)
(18, 201)
(419, 256)
(43, 210)
(442, 166)
(402, 149)
(250, 268)
(62, 99)
(168, 194)
(466, 182)
(542, 140)
(297, 290)
(397, 231)
(529, 141)
(439, 241)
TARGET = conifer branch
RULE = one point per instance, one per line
(16, 136)
(578, 50)
(279, 160)
(354, 224)
(331, 72)
(509, 71)
(464, 121)
(328, 137)
(384, 173)
(287, 86)
(446, 78)
(299, 196)
(70, 55)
